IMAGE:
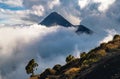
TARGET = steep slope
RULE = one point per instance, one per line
(82, 29)
(108, 69)
(56, 19)
(103, 62)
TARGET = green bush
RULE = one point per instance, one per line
(92, 57)
(31, 67)
(116, 37)
(101, 52)
(90, 61)
(50, 71)
(46, 73)
(57, 67)
(103, 45)
(82, 55)
(111, 46)
(69, 58)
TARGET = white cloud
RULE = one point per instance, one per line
(73, 19)
(20, 44)
(14, 17)
(16, 33)
(53, 3)
(13, 2)
(109, 36)
(37, 10)
(83, 3)
(104, 4)
(13, 46)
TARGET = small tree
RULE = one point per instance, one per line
(57, 67)
(116, 37)
(30, 67)
(69, 58)
(83, 54)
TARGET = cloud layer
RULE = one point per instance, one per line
(74, 10)
(20, 44)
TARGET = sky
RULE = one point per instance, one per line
(33, 11)
(22, 39)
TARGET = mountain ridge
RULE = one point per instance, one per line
(96, 64)
(56, 19)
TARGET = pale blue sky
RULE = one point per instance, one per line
(14, 8)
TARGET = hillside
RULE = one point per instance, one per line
(102, 62)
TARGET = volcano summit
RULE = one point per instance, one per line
(56, 19)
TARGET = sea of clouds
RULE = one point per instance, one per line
(47, 45)
(20, 43)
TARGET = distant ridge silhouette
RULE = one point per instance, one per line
(56, 19)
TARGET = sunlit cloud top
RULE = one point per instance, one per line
(33, 11)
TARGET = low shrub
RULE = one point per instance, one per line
(57, 67)
(72, 70)
(69, 58)
(83, 55)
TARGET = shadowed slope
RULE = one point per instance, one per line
(55, 19)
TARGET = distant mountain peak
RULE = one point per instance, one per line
(55, 19)
(83, 29)
(54, 13)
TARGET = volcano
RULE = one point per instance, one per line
(54, 19)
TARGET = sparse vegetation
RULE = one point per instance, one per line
(69, 58)
(83, 55)
(31, 67)
(50, 71)
(74, 66)
(72, 70)
(101, 52)
(57, 67)
(116, 37)
(47, 72)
